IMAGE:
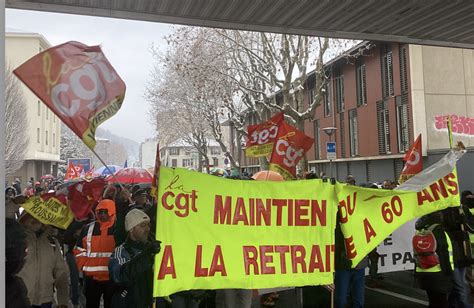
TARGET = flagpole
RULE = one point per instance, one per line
(107, 167)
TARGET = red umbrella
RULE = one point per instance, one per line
(131, 176)
(47, 177)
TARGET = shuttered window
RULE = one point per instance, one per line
(342, 135)
(403, 134)
(387, 71)
(361, 84)
(317, 140)
(311, 96)
(383, 127)
(328, 99)
(353, 132)
(403, 70)
(339, 80)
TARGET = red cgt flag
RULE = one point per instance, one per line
(261, 137)
(77, 83)
(73, 172)
(413, 161)
(290, 146)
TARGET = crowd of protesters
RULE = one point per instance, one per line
(108, 257)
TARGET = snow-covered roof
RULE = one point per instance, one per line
(18, 32)
(180, 143)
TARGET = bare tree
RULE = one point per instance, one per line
(16, 124)
(239, 74)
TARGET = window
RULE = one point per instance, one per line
(403, 70)
(340, 93)
(387, 72)
(174, 151)
(383, 127)
(317, 140)
(174, 163)
(39, 108)
(187, 162)
(47, 113)
(54, 118)
(215, 151)
(54, 139)
(38, 137)
(311, 96)
(402, 123)
(342, 135)
(361, 84)
(353, 133)
(215, 161)
(328, 99)
(46, 138)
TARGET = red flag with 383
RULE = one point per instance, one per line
(413, 161)
(77, 83)
(290, 146)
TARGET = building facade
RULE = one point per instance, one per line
(44, 131)
(147, 153)
(181, 154)
(379, 98)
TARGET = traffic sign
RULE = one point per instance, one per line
(331, 150)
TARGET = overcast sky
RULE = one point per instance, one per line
(126, 44)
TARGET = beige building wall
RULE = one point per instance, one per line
(442, 84)
(44, 127)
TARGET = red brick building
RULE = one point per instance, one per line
(379, 97)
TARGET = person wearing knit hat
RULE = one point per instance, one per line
(131, 264)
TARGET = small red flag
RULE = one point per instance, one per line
(290, 146)
(261, 137)
(413, 161)
(73, 172)
(156, 172)
(83, 195)
(77, 83)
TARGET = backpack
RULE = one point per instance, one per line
(424, 248)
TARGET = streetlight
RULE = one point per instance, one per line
(330, 146)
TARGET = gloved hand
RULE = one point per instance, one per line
(154, 246)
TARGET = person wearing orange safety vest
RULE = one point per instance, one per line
(437, 280)
(93, 250)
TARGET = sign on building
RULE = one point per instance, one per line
(84, 162)
(331, 150)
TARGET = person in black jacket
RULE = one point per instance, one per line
(455, 224)
(131, 264)
(16, 294)
(438, 281)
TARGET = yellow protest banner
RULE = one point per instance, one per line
(368, 216)
(220, 233)
(50, 209)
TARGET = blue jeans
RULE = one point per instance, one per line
(459, 297)
(350, 282)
